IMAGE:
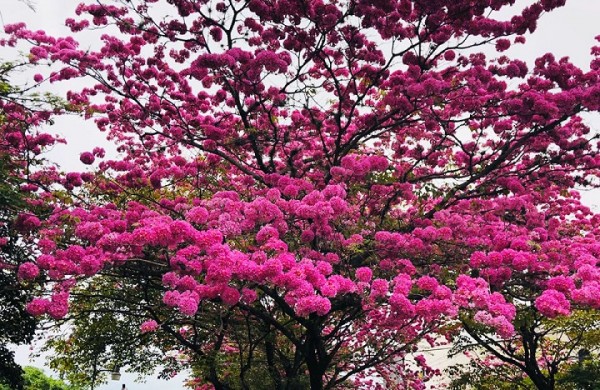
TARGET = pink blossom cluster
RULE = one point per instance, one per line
(148, 326)
(56, 307)
(491, 307)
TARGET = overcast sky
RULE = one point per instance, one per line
(569, 31)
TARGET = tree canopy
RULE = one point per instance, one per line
(306, 190)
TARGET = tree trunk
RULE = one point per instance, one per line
(314, 366)
(316, 379)
(541, 382)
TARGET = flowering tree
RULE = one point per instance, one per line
(314, 187)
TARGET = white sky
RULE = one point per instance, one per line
(569, 31)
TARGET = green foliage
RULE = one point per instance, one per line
(478, 376)
(25, 95)
(104, 332)
(558, 342)
(35, 379)
(573, 376)
(582, 376)
(16, 325)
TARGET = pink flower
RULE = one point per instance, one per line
(91, 231)
(248, 296)
(98, 152)
(73, 179)
(364, 274)
(402, 284)
(58, 306)
(502, 44)
(37, 306)
(588, 294)
(329, 289)
(307, 235)
(379, 288)
(553, 303)
(312, 304)
(171, 298)
(427, 283)
(87, 158)
(197, 215)
(230, 296)
(402, 305)
(27, 222)
(266, 233)
(561, 283)
(188, 303)
(90, 265)
(28, 271)
(272, 268)
(148, 326)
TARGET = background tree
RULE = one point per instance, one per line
(35, 379)
(21, 113)
(16, 325)
(103, 329)
(582, 375)
(556, 345)
(320, 186)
